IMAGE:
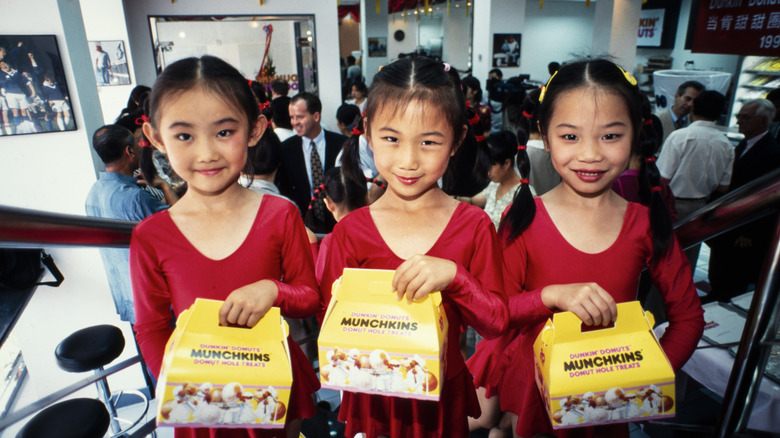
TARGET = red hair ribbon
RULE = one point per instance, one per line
(363, 114)
(527, 115)
(249, 81)
(480, 137)
(468, 104)
(356, 131)
(522, 147)
(322, 187)
(141, 120)
(143, 143)
(648, 122)
(650, 159)
(314, 198)
(474, 120)
(311, 208)
(524, 181)
(655, 189)
(263, 106)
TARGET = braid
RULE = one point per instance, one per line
(350, 157)
(650, 190)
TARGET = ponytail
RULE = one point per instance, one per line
(350, 154)
(340, 189)
(523, 209)
(650, 190)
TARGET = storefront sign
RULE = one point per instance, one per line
(740, 27)
(651, 24)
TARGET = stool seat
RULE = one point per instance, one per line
(90, 348)
(76, 418)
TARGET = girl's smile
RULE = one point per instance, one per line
(589, 139)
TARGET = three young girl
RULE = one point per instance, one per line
(580, 247)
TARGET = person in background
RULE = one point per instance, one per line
(103, 64)
(307, 156)
(543, 176)
(676, 116)
(473, 92)
(774, 129)
(496, 105)
(136, 100)
(697, 160)
(737, 256)
(359, 92)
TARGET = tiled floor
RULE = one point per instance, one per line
(83, 301)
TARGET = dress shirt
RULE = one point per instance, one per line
(750, 142)
(319, 141)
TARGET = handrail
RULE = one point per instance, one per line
(761, 197)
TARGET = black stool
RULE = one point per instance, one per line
(90, 349)
(76, 418)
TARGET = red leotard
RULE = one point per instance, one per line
(473, 298)
(169, 272)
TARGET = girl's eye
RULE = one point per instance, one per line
(569, 137)
(390, 139)
(612, 136)
(183, 137)
(430, 143)
(224, 133)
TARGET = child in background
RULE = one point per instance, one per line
(415, 121)
(543, 175)
(221, 240)
(504, 181)
(581, 247)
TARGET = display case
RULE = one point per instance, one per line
(758, 75)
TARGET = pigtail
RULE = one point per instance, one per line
(523, 209)
(310, 219)
(146, 160)
(350, 156)
(340, 189)
(650, 189)
(482, 161)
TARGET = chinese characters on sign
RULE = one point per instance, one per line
(741, 27)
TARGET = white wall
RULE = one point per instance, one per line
(501, 16)
(325, 25)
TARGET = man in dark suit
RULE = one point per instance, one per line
(736, 257)
(297, 177)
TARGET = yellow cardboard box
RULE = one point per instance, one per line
(372, 343)
(215, 376)
(609, 375)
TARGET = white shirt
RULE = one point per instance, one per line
(749, 143)
(319, 141)
(696, 160)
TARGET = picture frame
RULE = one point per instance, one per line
(34, 97)
(109, 61)
(377, 47)
(506, 49)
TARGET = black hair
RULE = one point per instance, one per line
(351, 60)
(259, 91)
(411, 79)
(265, 157)
(709, 105)
(341, 190)
(313, 103)
(280, 112)
(696, 85)
(110, 142)
(497, 71)
(136, 101)
(348, 114)
(526, 123)
(131, 121)
(473, 83)
(361, 86)
(607, 76)
(502, 146)
(553, 66)
(280, 87)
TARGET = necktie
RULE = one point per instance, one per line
(679, 123)
(316, 181)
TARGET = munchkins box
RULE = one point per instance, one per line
(214, 376)
(372, 343)
(607, 375)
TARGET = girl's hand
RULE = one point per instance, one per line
(589, 301)
(246, 305)
(421, 275)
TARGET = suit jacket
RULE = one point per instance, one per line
(292, 177)
(667, 123)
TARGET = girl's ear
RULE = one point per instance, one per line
(154, 137)
(330, 205)
(257, 130)
(459, 142)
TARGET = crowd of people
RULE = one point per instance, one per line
(252, 201)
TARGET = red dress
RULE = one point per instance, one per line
(168, 272)
(473, 298)
(541, 256)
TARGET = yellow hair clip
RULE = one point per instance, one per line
(544, 88)
(631, 80)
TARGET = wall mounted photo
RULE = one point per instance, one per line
(377, 47)
(109, 62)
(506, 49)
(33, 91)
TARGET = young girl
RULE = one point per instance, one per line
(581, 247)
(415, 120)
(504, 181)
(221, 240)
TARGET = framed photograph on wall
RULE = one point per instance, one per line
(109, 62)
(34, 94)
(377, 47)
(506, 49)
